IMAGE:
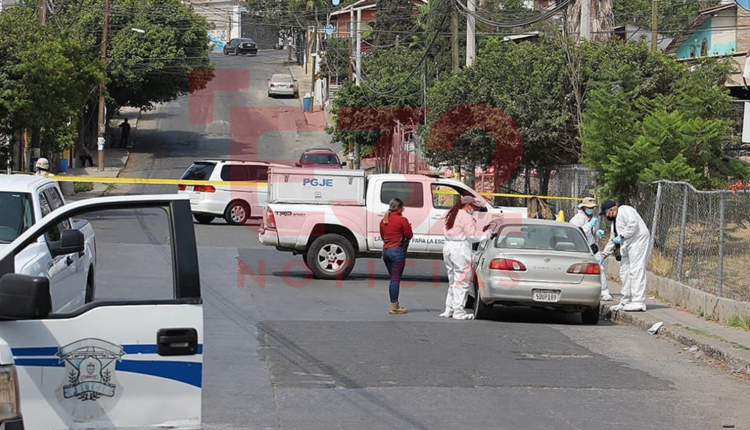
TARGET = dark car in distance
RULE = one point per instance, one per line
(241, 46)
(319, 158)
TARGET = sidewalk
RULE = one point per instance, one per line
(318, 116)
(705, 340)
(115, 161)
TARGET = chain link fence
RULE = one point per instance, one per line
(698, 237)
(573, 180)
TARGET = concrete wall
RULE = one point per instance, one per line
(695, 301)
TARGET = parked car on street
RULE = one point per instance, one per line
(281, 84)
(320, 158)
(235, 203)
(241, 46)
(537, 263)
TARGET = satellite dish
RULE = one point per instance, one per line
(745, 4)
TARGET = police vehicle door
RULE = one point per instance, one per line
(412, 194)
(112, 363)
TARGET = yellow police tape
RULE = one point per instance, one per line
(154, 181)
(157, 181)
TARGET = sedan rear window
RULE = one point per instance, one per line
(553, 238)
(199, 172)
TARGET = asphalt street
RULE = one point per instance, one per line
(284, 351)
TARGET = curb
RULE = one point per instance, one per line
(717, 349)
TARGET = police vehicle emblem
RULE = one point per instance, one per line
(90, 367)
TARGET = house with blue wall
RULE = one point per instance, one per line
(719, 31)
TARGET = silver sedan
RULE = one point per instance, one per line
(537, 263)
(281, 84)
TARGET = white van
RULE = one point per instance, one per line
(235, 203)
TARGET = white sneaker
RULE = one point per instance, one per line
(446, 314)
(634, 307)
(606, 296)
(464, 317)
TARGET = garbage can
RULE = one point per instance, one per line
(62, 166)
(306, 104)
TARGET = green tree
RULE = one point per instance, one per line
(387, 82)
(676, 133)
(45, 78)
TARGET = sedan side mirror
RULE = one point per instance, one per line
(24, 297)
(297, 164)
(71, 242)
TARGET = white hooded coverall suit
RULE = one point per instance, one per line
(458, 264)
(634, 251)
(582, 220)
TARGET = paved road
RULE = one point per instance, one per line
(284, 351)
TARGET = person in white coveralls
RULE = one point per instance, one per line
(460, 234)
(630, 233)
(587, 220)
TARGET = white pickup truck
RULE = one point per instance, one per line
(24, 201)
(332, 218)
(130, 363)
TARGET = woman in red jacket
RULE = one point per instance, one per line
(395, 231)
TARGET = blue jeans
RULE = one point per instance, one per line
(395, 261)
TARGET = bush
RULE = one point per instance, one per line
(80, 187)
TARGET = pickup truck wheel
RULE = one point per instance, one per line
(331, 256)
(237, 213)
(304, 260)
(90, 287)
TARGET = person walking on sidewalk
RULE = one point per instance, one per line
(460, 234)
(396, 233)
(631, 235)
(587, 220)
(124, 133)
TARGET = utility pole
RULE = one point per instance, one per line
(585, 24)
(454, 36)
(314, 47)
(654, 23)
(36, 133)
(359, 75)
(289, 38)
(101, 123)
(359, 47)
(470, 33)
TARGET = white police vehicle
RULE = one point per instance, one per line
(122, 364)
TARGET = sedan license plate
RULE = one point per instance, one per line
(550, 296)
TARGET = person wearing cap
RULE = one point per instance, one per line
(42, 168)
(587, 220)
(629, 232)
(460, 234)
